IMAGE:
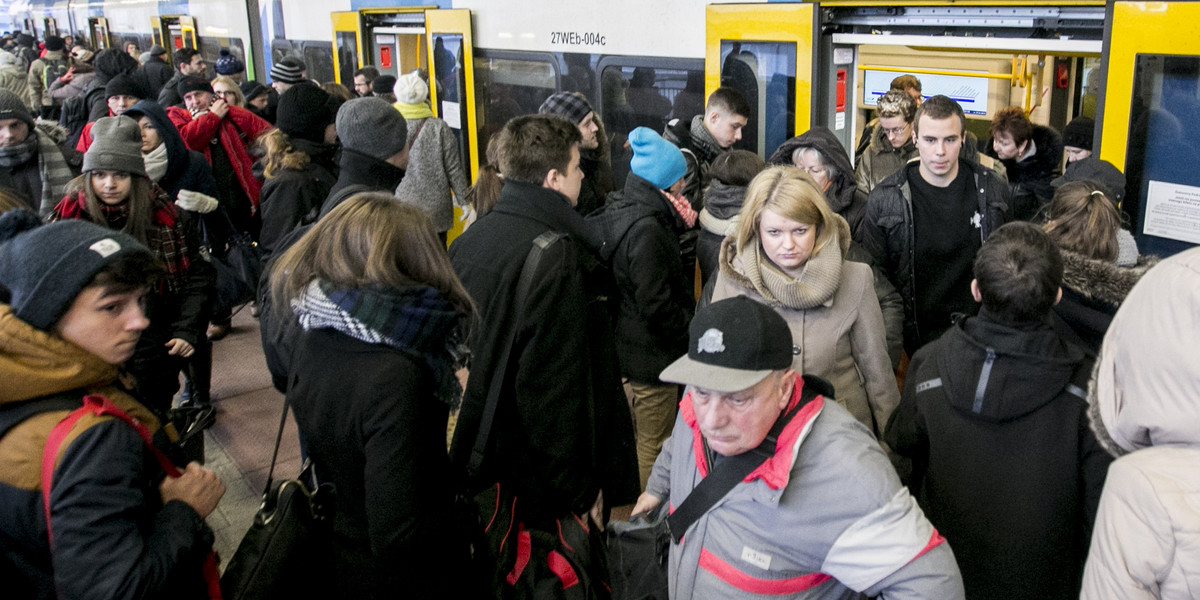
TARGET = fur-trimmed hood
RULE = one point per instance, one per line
(52, 130)
(1145, 386)
(1103, 280)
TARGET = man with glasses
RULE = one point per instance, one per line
(891, 142)
(187, 62)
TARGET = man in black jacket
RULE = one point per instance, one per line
(562, 433)
(925, 223)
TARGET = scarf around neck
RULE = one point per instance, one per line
(19, 154)
(418, 321)
(411, 112)
(815, 286)
(156, 163)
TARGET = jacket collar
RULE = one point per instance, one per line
(359, 168)
(547, 207)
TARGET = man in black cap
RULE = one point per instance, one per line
(1077, 138)
(121, 93)
(383, 87)
(156, 71)
(43, 72)
(821, 475)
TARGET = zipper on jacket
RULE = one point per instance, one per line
(984, 374)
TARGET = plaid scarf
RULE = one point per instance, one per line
(18, 154)
(164, 238)
(684, 208)
(418, 321)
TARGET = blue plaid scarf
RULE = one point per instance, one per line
(419, 321)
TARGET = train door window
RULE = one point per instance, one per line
(1164, 124)
(318, 62)
(346, 43)
(450, 83)
(765, 74)
(648, 96)
(511, 87)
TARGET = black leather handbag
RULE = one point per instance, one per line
(286, 552)
(238, 263)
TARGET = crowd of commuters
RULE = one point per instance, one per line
(935, 349)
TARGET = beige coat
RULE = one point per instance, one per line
(837, 327)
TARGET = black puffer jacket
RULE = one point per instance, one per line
(640, 232)
(843, 194)
(293, 197)
(887, 230)
(1093, 290)
(1030, 178)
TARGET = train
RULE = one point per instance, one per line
(1133, 66)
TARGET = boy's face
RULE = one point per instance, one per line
(105, 322)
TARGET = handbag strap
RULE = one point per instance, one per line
(734, 469)
(96, 404)
(524, 284)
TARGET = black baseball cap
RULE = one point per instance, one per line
(732, 345)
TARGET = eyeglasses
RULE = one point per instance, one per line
(895, 130)
(227, 94)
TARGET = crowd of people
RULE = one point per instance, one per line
(955, 372)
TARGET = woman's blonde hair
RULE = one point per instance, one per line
(1083, 219)
(239, 97)
(141, 205)
(790, 193)
(279, 154)
(371, 239)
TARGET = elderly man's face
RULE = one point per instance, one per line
(738, 422)
(13, 132)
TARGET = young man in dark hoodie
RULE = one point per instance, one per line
(994, 419)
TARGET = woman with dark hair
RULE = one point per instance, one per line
(115, 192)
(372, 381)
(1031, 155)
(1084, 223)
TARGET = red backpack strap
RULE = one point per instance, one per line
(96, 404)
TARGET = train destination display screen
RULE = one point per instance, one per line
(971, 93)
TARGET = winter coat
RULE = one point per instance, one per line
(1146, 543)
(37, 88)
(845, 197)
(14, 79)
(293, 197)
(1092, 292)
(994, 420)
(1030, 178)
(640, 231)
(236, 132)
(837, 327)
(113, 536)
(186, 169)
(358, 169)
(563, 431)
(156, 73)
(434, 170)
(887, 231)
(699, 149)
(881, 160)
(850, 526)
(718, 219)
(43, 179)
(168, 96)
(373, 427)
(60, 91)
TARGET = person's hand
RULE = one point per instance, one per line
(178, 347)
(219, 107)
(68, 76)
(196, 202)
(645, 503)
(197, 487)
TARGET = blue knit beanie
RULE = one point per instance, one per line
(654, 159)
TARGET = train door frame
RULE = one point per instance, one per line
(51, 26)
(95, 25)
(458, 111)
(1136, 32)
(770, 23)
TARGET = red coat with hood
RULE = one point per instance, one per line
(237, 131)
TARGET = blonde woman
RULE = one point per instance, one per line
(789, 253)
(227, 89)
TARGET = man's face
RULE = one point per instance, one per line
(1006, 147)
(738, 422)
(13, 132)
(938, 142)
(568, 183)
(105, 323)
(362, 87)
(915, 95)
(588, 129)
(260, 102)
(725, 128)
(198, 100)
(281, 87)
(195, 67)
(1076, 154)
(898, 130)
(120, 103)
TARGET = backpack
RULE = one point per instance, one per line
(75, 113)
(52, 70)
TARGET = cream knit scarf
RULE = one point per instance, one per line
(815, 286)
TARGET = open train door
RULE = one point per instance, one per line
(1150, 119)
(347, 46)
(452, 85)
(98, 32)
(765, 51)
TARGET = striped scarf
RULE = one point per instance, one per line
(418, 321)
(684, 208)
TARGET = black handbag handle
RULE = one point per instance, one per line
(524, 284)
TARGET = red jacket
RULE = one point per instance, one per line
(237, 131)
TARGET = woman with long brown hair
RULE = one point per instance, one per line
(371, 382)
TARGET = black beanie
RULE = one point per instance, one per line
(45, 267)
(111, 62)
(193, 83)
(252, 89)
(304, 112)
(383, 84)
(124, 85)
(53, 43)
(1079, 133)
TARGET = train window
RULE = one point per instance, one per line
(347, 55)
(210, 50)
(510, 87)
(765, 73)
(319, 61)
(645, 96)
(451, 87)
(1161, 158)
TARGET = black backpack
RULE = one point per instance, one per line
(52, 69)
(75, 113)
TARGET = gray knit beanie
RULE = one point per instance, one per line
(371, 126)
(116, 146)
(12, 107)
(44, 267)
